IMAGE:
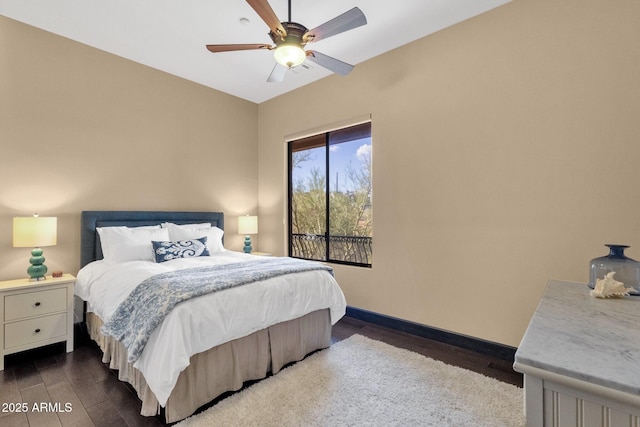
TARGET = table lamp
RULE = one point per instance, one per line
(247, 225)
(35, 232)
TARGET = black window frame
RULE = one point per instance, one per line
(328, 138)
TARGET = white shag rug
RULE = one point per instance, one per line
(362, 382)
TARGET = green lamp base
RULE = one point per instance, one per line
(247, 244)
(38, 270)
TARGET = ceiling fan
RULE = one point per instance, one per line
(290, 38)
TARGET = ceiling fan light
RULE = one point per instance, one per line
(290, 54)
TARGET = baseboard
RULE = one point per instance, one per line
(500, 351)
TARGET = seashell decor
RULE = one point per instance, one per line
(610, 288)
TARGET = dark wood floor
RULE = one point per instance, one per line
(97, 398)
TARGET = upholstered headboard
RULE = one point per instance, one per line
(90, 248)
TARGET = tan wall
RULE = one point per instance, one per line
(81, 129)
(505, 153)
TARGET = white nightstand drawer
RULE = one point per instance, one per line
(36, 303)
(35, 313)
(33, 330)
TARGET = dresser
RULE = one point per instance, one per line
(580, 357)
(35, 314)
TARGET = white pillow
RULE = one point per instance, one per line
(121, 244)
(185, 226)
(214, 240)
(196, 231)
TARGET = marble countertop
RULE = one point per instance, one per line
(576, 335)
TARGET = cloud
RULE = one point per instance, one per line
(333, 148)
(364, 152)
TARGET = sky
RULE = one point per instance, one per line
(340, 156)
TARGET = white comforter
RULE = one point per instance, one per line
(204, 322)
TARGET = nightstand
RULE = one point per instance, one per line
(35, 314)
(261, 253)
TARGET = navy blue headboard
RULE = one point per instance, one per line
(90, 249)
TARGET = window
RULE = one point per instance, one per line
(330, 207)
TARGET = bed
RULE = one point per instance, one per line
(207, 345)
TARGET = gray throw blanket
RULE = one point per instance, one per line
(152, 300)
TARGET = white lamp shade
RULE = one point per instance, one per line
(248, 224)
(34, 231)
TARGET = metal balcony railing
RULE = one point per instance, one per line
(350, 249)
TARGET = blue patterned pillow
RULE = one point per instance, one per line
(166, 251)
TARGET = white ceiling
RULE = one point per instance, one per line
(170, 35)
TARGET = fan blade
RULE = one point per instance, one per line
(231, 47)
(277, 74)
(347, 21)
(329, 63)
(267, 14)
